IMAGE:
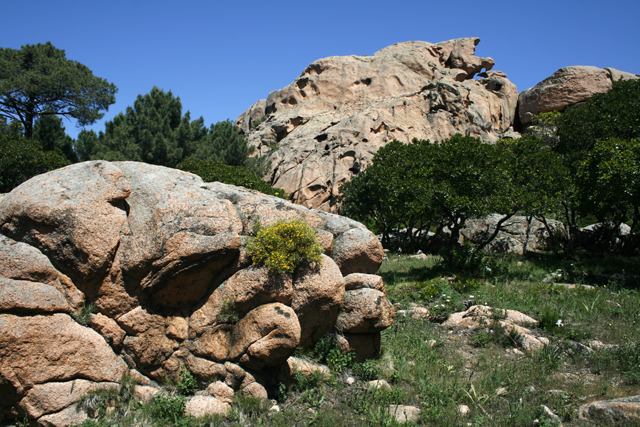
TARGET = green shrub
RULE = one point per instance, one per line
(211, 171)
(168, 407)
(187, 382)
(285, 246)
(549, 318)
(227, 313)
(339, 360)
(22, 159)
(83, 316)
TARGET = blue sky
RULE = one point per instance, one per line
(221, 57)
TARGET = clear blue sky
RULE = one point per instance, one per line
(220, 57)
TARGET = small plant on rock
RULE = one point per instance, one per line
(83, 316)
(227, 313)
(285, 246)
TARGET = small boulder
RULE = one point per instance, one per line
(624, 411)
(365, 311)
(200, 406)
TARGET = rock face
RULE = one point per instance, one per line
(162, 256)
(567, 86)
(517, 235)
(326, 126)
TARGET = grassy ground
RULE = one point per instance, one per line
(438, 369)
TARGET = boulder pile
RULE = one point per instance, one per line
(161, 257)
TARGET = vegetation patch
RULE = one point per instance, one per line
(285, 246)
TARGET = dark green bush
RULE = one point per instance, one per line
(211, 171)
(21, 159)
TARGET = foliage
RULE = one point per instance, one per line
(153, 130)
(393, 198)
(614, 114)
(168, 407)
(339, 360)
(228, 313)
(439, 185)
(211, 171)
(38, 80)
(83, 316)
(224, 144)
(186, 383)
(21, 159)
(608, 180)
(49, 131)
(285, 246)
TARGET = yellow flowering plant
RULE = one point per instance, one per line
(285, 245)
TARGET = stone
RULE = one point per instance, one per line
(19, 261)
(365, 311)
(379, 384)
(358, 251)
(404, 413)
(220, 391)
(172, 284)
(317, 299)
(517, 234)
(355, 281)
(145, 393)
(304, 367)
(66, 417)
(365, 346)
(53, 397)
(79, 211)
(108, 328)
(23, 296)
(241, 293)
(39, 349)
(200, 406)
(479, 317)
(256, 390)
(623, 411)
(325, 126)
(267, 335)
(567, 86)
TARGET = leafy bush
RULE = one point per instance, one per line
(211, 171)
(21, 159)
(228, 313)
(285, 246)
(187, 382)
(339, 360)
(168, 407)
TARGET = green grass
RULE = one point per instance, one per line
(437, 369)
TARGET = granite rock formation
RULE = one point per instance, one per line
(161, 255)
(567, 86)
(328, 123)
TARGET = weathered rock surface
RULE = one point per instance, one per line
(567, 86)
(619, 412)
(480, 316)
(200, 406)
(517, 235)
(328, 123)
(162, 256)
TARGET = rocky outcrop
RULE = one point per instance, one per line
(328, 123)
(161, 255)
(567, 86)
(518, 234)
(620, 412)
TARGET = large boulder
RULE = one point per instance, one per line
(518, 234)
(328, 123)
(567, 86)
(162, 257)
